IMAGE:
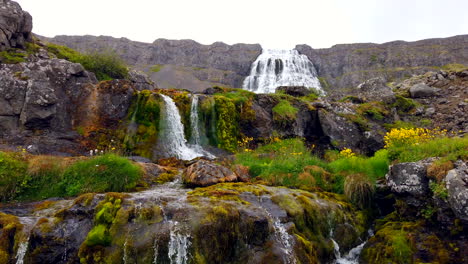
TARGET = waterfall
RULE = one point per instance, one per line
(178, 245)
(22, 249)
(195, 139)
(274, 68)
(352, 257)
(173, 138)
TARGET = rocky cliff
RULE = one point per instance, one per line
(190, 65)
(347, 65)
(176, 63)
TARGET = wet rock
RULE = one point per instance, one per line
(206, 173)
(457, 187)
(15, 25)
(296, 91)
(422, 90)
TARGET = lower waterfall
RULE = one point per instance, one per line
(173, 139)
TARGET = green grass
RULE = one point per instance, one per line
(445, 147)
(455, 67)
(27, 178)
(284, 111)
(105, 65)
(239, 96)
(12, 57)
(13, 175)
(286, 162)
(104, 173)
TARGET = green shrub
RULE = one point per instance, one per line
(104, 173)
(13, 176)
(105, 65)
(374, 110)
(359, 190)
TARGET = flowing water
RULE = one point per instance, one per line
(352, 257)
(274, 68)
(28, 224)
(195, 140)
(179, 244)
(173, 139)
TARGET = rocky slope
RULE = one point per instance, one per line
(347, 65)
(176, 63)
(190, 65)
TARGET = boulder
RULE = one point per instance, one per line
(296, 91)
(205, 173)
(376, 89)
(15, 25)
(422, 90)
(409, 178)
(457, 187)
(141, 81)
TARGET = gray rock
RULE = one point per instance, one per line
(430, 111)
(376, 90)
(409, 178)
(422, 90)
(15, 25)
(457, 187)
(296, 91)
(141, 81)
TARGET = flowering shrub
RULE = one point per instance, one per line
(399, 137)
(347, 153)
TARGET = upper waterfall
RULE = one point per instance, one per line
(274, 68)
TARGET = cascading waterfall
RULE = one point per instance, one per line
(28, 224)
(178, 245)
(173, 138)
(352, 257)
(274, 68)
(22, 249)
(195, 139)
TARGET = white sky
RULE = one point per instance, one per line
(272, 23)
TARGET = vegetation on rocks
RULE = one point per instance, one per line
(105, 65)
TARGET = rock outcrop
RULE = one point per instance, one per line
(15, 25)
(176, 63)
(457, 188)
(347, 65)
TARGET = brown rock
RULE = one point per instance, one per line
(205, 173)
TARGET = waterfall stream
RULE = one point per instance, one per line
(195, 139)
(173, 139)
(274, 68)
(352, 257)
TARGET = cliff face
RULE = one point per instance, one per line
(15, 25)
(176, 63)
(190, 65)
(347, 65)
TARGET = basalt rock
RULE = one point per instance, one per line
(457, 187)
(422, 90)
(296, 91)
(375, 89)
(15, 25)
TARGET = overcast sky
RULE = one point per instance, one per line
(272, 23)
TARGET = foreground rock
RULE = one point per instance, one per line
(15, 25)
(457, 187)
(224, 223)
(205, 173)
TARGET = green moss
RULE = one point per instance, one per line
(143, 124)
(226, 192)
(9, 226)
(227, 124)
(374, 110)
(359, 120)
(404, 105)
(12, 56)
(104, 173)
(455, 67)
(99, 235)
(156, 68)
(284, 111)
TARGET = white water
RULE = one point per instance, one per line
(283, 238)
(178, 245)
(195, 128)
(22, 249)
(173, 138)
(274, 68)
(352, 257)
